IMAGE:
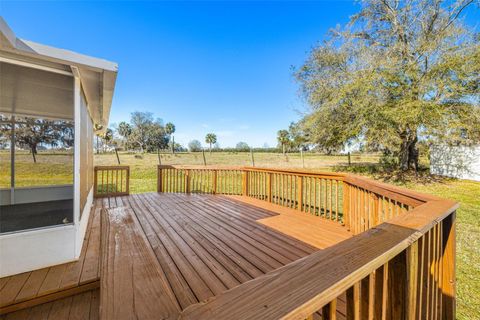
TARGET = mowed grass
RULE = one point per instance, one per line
(467, 193)
(57, 168)
(50, 169)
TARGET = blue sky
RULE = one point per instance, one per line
(222, 67)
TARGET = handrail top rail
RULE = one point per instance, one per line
(197, 167)
(296, 291)
(122, 167)
(407, 196)
(302, 172)
(380, 187)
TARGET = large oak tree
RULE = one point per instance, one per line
(400, 71)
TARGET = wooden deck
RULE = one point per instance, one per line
(201, 246)
(48, 284)
(208, 244)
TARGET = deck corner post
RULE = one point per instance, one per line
(159, 179)
(127, 183)
(412, 280)
(448, 281)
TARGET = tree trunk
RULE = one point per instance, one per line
(283, 148)
(34, 152)
(173, 144)
(408, 155)
(210, 148)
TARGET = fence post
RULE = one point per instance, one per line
(300, 192)
(159, 179)
(187, 181)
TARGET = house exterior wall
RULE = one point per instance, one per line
(86, 153)
(455, 161)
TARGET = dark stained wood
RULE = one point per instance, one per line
(82, 306)
(133, 285)
(297, 290)
(207, 244)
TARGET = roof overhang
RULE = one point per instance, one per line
(97, 76)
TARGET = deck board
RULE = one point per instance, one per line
(207, 244)
(30, 288)
(83, 306)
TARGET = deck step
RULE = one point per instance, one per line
(57, 295)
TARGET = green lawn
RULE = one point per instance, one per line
(468, 240)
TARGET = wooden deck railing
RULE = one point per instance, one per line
(400, 264)
(199, 180)
(111, 181)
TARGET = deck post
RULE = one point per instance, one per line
(346, 204)
(245, 183)
(300, 192)
(412, 280)
(214, 181)
(448, 281)
(127, 183)
(397, 287)
(187, 181)
(269, 187)
(95, 182)
(159, 179)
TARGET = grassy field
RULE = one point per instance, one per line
(56, 169)
(51, 169)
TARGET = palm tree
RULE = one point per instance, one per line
(170, 129)
(107, 138)
(211, 138)
(283, 138)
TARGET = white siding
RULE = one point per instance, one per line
(455, 161)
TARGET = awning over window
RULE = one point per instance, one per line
(31, 92)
